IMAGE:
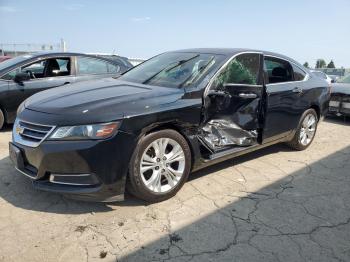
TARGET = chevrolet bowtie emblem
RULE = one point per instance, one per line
(19, 130)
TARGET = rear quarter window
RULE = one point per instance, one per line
(299, 74)
(90, 66)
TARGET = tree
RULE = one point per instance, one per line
(331, 64)
(306, 64)
(320, 63)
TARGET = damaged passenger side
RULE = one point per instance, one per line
(232, 105)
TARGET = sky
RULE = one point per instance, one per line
(301, 29)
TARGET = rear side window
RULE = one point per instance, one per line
(299, 75)
(278, 70)
(88, 66)
(243, 69)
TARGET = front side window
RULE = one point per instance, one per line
(299, 75)
(52, 67)
(173, 69)
(14, 61)
(243, 69)
(11, 75)
(278, 70)
(89, 66)
(35, 70)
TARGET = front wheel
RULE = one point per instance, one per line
(306, 131)
(160, 165)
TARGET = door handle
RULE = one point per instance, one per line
(297, 90)
(248, 95)
(66, 83)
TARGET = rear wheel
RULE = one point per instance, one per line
(306, 131)
(2, 119)
(159, 166)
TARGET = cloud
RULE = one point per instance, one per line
(7, 9)
(73, 7)
(140, 19)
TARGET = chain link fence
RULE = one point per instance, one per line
(16, 49)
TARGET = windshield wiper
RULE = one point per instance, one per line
(167, 69)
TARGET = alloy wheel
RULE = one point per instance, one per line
(162, 165)
(308, 129)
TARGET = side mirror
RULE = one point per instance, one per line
(21, 77)
(332, 81)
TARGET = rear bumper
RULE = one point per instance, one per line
(339, 108)
(89, 170)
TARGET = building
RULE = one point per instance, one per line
(334, 71)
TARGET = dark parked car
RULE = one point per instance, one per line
(173, 114)
(26, 75)
(340, 97)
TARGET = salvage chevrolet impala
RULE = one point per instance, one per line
(173, 114)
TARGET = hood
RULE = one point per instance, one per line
(341, 88)
(102, 100)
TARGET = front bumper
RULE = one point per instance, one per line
(88, 170)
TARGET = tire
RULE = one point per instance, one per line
(165, 172)
(2, 119)
(298, 143)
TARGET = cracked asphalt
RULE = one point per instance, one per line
(271, 205)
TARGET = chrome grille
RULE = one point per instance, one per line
(30, 134)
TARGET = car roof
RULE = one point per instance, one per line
(234, 51)
(45, 54)
(112, 58)
(39, 54)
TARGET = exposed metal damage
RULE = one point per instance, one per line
(219, 133)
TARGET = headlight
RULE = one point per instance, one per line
(97, 131)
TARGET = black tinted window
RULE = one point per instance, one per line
(243, 69)
(48, 68)
(278, 70)
(299, 74)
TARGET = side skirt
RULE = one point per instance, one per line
(235, 152)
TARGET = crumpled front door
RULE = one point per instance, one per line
(232, 106)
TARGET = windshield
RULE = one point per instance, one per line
(345, 79)
(173, 69)
(13, 61)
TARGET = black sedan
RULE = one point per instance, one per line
(173, 114)
(26, 75)
(340, 98)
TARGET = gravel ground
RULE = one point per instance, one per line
(271, 205)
